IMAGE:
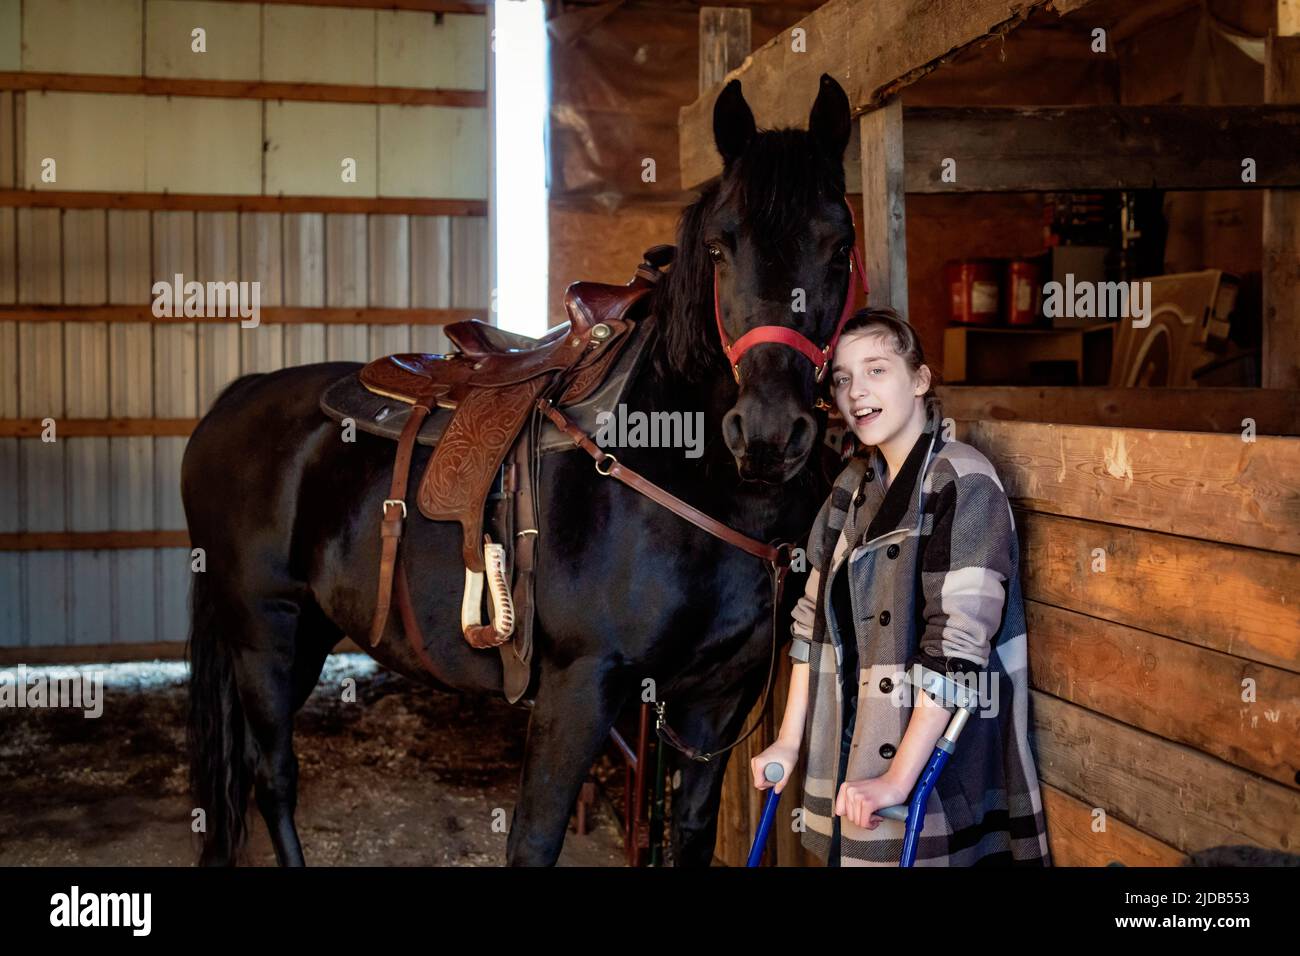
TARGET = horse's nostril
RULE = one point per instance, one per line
(733, 432)
(802, 432)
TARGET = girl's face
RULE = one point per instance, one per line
(873, 387)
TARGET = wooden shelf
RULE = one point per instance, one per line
(1006, 355)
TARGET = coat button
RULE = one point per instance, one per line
(884, 617)
(870, 475)
(886, 750)
(886, 685)
(892, 551)
(859, 498)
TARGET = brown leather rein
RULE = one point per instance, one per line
(775, 556)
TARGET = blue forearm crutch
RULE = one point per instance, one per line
(912, 814)
(773, 774)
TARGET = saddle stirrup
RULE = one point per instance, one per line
(502, 626)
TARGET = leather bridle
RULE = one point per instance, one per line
(783, 334)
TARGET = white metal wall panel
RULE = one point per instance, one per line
(217, 250)
(197, 144)
(96, 139)
(46, 599)
(307, 143)
(90, 600)
(11, 32)
(302, 44)
(175, 342)
(234, 35)
(423, 151)
(428, 51)
(83, 36)
(174, 578)
(168, 513)
(304, 284)
(430, 278)
(135, 590)
(261, 348)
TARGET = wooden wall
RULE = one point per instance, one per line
(1166, 680)
(217, 188)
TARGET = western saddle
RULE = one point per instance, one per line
(472, 406)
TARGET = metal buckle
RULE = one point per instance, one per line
(395, 501)
(600, 461)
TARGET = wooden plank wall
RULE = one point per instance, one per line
(1160, 570)
(122, 484)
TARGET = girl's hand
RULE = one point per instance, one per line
(858, 800)
(786, 756)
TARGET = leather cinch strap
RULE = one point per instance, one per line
(776, 556)
(390, 530)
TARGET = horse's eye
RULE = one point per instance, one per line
(844, 251)
(714, 252)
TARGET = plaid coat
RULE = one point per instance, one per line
(933, 577)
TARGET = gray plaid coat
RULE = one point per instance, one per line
(934, 582)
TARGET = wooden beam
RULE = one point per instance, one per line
(426, 6)
(1181, 797)
(1074, 841)
(1195, 484)
(1146, 581)
(1174, 690)
(112, 653)
(873, 48)
(1280, 350)
(271, 315)
(205, 202)
(92, 653)
(100, 427)
(91, 540)
(1275, 411)
(241, 89)
(884, 206)
(724, 42)
(1058, 148)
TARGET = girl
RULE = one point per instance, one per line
(915, 569)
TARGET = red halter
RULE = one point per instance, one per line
(783, 334)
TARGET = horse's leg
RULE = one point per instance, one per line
(265, 675)
(574, 710)
(694, 828)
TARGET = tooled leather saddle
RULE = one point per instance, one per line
(473, 406)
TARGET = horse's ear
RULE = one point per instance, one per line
(733, 123)
(829, 123)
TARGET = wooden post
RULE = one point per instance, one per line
(1280, 361)
(883, 229)
(724, 43)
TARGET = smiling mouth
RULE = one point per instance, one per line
(866, 414)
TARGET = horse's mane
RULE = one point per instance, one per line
(774, 191)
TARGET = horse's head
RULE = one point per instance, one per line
(780, 240)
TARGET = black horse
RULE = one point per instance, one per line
(288, 516)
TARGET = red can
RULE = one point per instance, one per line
(1022, 292)
(973, 291)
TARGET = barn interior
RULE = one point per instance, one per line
(1173, 451)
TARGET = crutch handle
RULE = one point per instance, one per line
(773, 773)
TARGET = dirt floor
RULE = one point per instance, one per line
(402, 776)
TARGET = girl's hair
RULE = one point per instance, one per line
(899, 333)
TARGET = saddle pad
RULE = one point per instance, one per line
(385, 417)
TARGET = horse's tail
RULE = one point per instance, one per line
(220, 778)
